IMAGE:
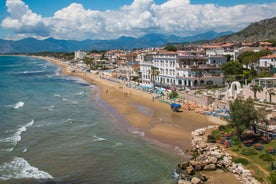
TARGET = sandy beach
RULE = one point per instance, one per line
(152, 120)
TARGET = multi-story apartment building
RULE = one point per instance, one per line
(145, 61)
(267, 63)
(79, 54)
(199, 71)
(191, 71)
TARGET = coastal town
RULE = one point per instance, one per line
(193, 78)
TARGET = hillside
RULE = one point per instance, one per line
(31, 45)
(258, 31)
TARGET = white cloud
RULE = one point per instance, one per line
(178, 17)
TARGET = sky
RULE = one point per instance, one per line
(110, 19)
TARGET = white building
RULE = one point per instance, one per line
(199, 71)
(182, 71)
(146, 63)
(267, 63)
(79, 54)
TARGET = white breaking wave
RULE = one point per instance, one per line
(51, 108)
(179, 151)
(19, 168)
(17, 105)
(96, 139)
(17, 135)
(140, 133)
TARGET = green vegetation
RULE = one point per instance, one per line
(171, 48)
(234, 71)
(255, 89)
(243, 115)
(154, 71)
(173, 95)
(60, 55)
(243, 161)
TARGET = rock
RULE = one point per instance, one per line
(184, 165)
(202, 177)
(183, 182)
(196, 180)
(210, 167)
(190, 170)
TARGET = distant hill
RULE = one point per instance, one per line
(258, 31)
(31, 45)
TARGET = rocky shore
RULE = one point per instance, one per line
(209, 157)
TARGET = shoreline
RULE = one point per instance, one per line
(152, 121)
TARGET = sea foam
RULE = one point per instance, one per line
(16, 137)
(19, 168)
(17, 105)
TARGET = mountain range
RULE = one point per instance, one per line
(262, 30)
(31, 45)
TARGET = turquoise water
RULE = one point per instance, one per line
(52, 131)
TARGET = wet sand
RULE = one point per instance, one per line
(153, 121)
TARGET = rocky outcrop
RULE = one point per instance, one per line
(209, 157)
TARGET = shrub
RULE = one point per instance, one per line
(272, 178)
(266, 157)
(222, 128)
(243, 161)
(216, 134)
(235, 140)
(249, 152)
(211, 139)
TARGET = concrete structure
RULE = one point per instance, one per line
(199, 71)
(79, 54)
(267, 63)
(268, 82)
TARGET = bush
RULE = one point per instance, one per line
(266, 157)
(235, 140)
(211, 139)
(249, 152)
(272, 178)
(222, 128)
(216, 134)
(243, 161)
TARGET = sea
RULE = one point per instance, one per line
(53, 129)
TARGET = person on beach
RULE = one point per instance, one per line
(106, 92)
(152, 98)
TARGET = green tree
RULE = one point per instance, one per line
(171, 48)
(154, 71)
(232, 68)
(270, 92)
(243, 114)
(255, 89)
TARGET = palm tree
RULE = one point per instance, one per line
(255, 89)
(154, 71)
(270, 93)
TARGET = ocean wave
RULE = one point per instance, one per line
(17, 105)
(56, 95)
(51, 108)
(179, 151)
(16, 137)
(117, 144)
(7, 150)
(58, 71)
(140, 133)
(97, 139)
(32, 73)
(19, 168)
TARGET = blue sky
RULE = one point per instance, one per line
(109, 19)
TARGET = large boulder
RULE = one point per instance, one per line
(210, 167)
